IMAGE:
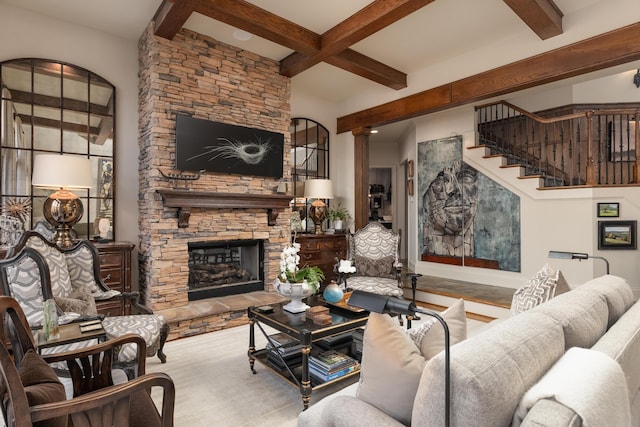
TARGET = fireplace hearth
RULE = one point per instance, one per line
(225, 268)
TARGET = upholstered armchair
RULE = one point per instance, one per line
(374, 250)
(34, 395)
(72, 278)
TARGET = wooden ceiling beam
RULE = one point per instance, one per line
(78, 106)
(607, 50)
(363, 66)
(542, 16)
(246, 16)
(367, 21)
(171, 16)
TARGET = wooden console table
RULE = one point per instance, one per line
(322, 250)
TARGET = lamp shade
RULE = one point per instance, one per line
(61, 171)
(318, 189)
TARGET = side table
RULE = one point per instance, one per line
(69, 333)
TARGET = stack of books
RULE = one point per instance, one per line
(340, 342)
(330, 365)
(356, 344)
(289, 350)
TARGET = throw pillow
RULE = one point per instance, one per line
(540, 288)
(382, 267)
(390, 369)
(80, 301)
(41, 385)
(432, 340)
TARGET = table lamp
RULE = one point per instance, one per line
(62, 209)
(318, 189)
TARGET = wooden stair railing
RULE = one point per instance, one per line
(585, 148)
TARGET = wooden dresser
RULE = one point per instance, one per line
(115, 270)
(322, 250)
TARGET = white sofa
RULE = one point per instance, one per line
(507, 369)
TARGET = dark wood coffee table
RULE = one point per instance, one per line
(306, 333)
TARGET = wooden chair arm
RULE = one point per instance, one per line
(134, 299)
(101, 348)
(111, 401)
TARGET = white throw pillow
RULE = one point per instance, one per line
(390, 369)
(432, 341)
(392, 361)
(543, 286)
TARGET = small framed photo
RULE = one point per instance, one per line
(410, 168)
(610, 210)
(617, 234)
(410, 187)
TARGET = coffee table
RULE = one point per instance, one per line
(306, 333)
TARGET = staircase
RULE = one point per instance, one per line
(571, 146)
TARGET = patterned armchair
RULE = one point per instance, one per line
(34, 395)
(374, 251)
(72, 278)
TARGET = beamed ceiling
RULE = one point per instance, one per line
(384, 61)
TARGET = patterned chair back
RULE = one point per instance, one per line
(25, 278)
(373, 241)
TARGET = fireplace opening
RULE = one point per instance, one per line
(225, 268)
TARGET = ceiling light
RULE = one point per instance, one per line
(374, 131)
(242, 35)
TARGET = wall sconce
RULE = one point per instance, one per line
(576, 255)
(636, 79)
(62, 209)
(318, 189)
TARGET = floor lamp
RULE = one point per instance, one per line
(62, 209)
(391, 305)
(318, 189)
(576, 255)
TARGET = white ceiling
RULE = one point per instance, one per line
(439, 33)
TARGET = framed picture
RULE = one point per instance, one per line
(410, 168)
(410, 187)
(617, 234)
(611, 210)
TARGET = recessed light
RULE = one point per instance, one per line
(242, 35)
(374, 131)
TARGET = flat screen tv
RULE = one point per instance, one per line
(220, 147)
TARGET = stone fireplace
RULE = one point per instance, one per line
(201, 77)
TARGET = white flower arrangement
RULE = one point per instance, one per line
(346, 267)
(290, 272)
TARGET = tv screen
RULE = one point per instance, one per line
(220, 147)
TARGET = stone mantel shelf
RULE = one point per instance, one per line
(184, 200)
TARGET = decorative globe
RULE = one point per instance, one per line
(333, 293)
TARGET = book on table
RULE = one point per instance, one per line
(331, 364)
(284, 344)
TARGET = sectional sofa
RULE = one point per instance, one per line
(571, 361)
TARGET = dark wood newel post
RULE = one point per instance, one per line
(591, 150)
(636, 165)
(361, 175)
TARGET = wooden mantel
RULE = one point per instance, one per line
(184, 200)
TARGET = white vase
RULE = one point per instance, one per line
(337, 224)
(295, 291)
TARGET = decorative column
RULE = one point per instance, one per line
(361, 177)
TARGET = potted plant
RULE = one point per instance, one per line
(339, 215)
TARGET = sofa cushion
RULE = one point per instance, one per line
(583, 316)
(390, 369)
(41, 385)
(490, 372)
(616, 291)
(430, 337)
(543, 286)
(393, 359)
